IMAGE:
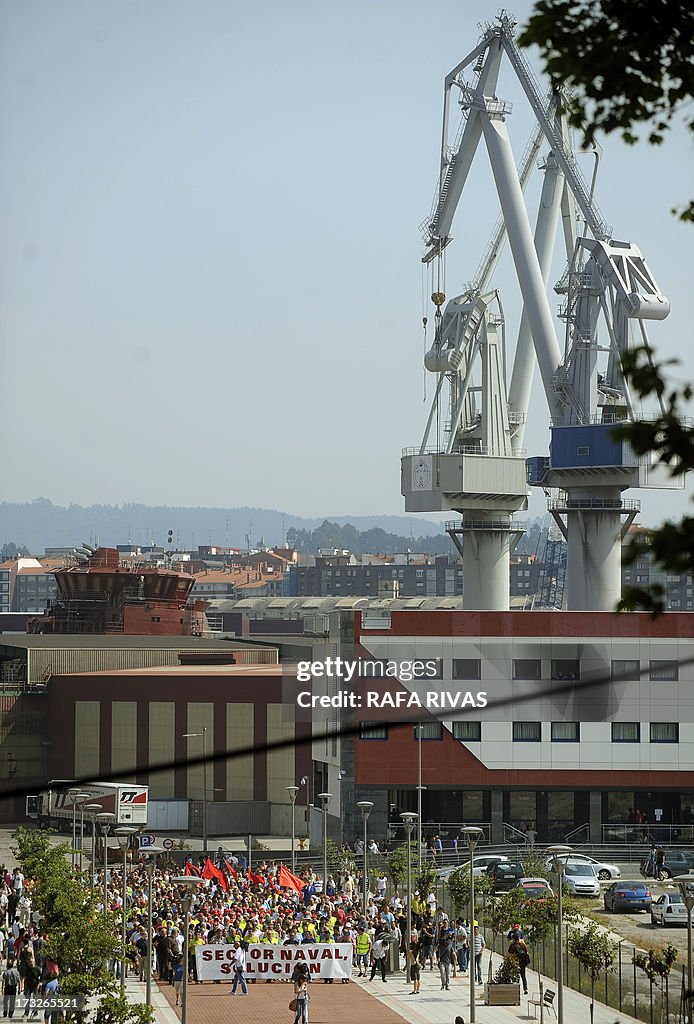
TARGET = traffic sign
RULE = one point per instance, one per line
(168, 844)
(146, 839)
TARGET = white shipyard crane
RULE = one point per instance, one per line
(477, 467)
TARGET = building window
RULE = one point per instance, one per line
(626, 732)
(429, 730)
(470, 732)
(467, 668)
(626, 668)
(566, 732)
(566, 669)
(373, 731)
(527, 732)
(665, 732)
(527, 668)
(663, 671)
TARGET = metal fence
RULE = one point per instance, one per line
(625, 988)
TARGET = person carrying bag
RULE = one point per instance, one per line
(299, 1003)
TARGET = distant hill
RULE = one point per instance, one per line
(39, 524)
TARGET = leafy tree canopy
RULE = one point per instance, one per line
(626, 63)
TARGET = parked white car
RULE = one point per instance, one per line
(604, 871)
(668, 909)
(479, 865)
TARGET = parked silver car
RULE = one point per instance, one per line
(579, 878)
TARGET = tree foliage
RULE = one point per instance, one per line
(81, 937)
(458, 884)
(626, 64)
(594, 951)
(359, 542)
(397, 863)
(670, 437)
(656, 964)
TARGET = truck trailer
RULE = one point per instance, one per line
(58, 806)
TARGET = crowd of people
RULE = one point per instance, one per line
(29, 972)
(239, 906)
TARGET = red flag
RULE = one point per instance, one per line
(230, 869)
(289, 881)
(210, 871)
(192, 870)
(255, 879)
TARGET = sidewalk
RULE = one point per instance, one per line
(368, 1002)
(432, 1006)
(266, 1004)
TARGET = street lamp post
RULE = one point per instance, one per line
(203, 734)
(82, 797)
(148, 963)
(471, 836)
(408, 820)
(73, 794)
(325, 799)
(123, 835)
(293, 790)
(189, 881)
(93, 810)
(559, 856)
(304, 782)
(419, 795)
(686, 884)
(365, 806)
(105, 819)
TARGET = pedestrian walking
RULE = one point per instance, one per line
(378, 958)
(11, 981)
(444, 954)
(462, 949)
(239, 969)
(178, 978)
(413, 964)
(478, 945)
(301, 999)
(519, 951)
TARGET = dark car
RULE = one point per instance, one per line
(627, 895)
(677, 862)
(506, 875)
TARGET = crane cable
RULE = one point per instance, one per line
(438, 297)
(424, 324)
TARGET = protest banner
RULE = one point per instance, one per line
(263, 961)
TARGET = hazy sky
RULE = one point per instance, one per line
(210, 283)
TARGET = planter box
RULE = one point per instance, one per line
(502, 995)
